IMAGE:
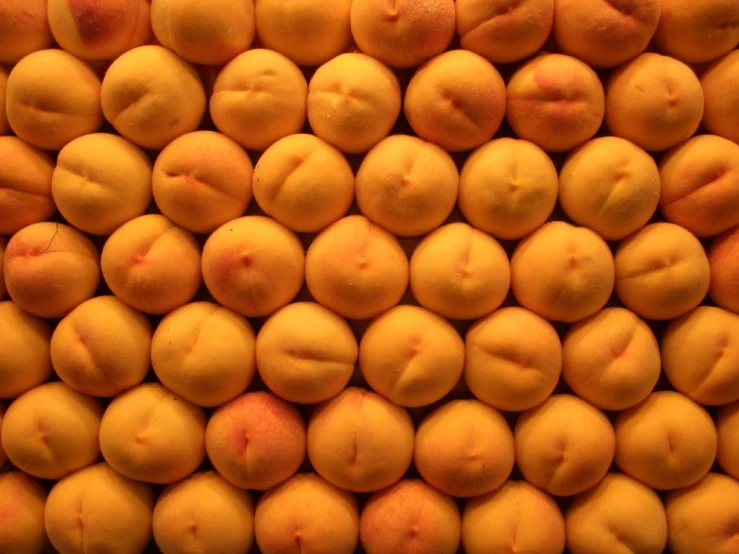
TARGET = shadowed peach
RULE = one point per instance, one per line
(720, 82)
(727, 427)
(23, 500)
(24, 28)
(3, 456)
(4, 127)
(723, 257)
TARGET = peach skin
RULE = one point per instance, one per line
(720, 82)
(4, 127)
(723, 257)
(23, 500)
(3, 289)
(727, 427)
(24, 29)
(3, 456)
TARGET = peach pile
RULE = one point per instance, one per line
(369, 276)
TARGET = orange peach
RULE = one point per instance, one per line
(256, 441)
(4, 127)
(3, 456)
(3, 289)
(723, 257)
(666, 442)
(23, 500)
(720, 82)
(24, 28)
(727, 427)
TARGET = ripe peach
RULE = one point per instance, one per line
(727, 427)
(23, 500)
(723, 257)
(24, 28)
(720, 82)
(3, 456)
(4, 127)
(3, 289)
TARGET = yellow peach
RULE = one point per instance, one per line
(720, 82)
(24, 28)
(723, 257)
(23, 500)
(4, 127)
(727, 427)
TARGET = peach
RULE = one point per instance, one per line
(24, 29)
(700, 355)
(654, 101)
(308, 32)
(359, 441)
(3, 289)
(100, 182)
(464, 448)
(720, 82)
(701, 519)
(25, 185)
(662, 271)
(206, 514)
(411, 356)
(101, 348)
(508, 188)
(208, 33)
(611, 186)
(611, 359)
(98, 510)
(353, 102)
(723, 257)
(151, 96)
(258, 98)
(356, 268)
(667, 441)
(253, 265)
(50, 269)
(52, 431)
(23, 500)
(94, 30)
(306, 353)
(698, 33)
(307, 514)
(4, 127)
(407, 185)
(503, 368)
(618, 514)
(564, 445)
(256, 441)
(410, 516)
(605, 33)
(504, 31)
(517, 517)
(727, 427)
(459, 272)
(304, 183)
(3, 456)
(151, 264)
(149, 434)
(202, 180)
(555, 101)
(456, 100)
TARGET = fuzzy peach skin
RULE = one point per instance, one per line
(412, 517)
(564, 445)
(359, 441)
(356, 268)
(504, 31)
(310, 32)
(654, 101)
(701, 519)
(403, 33)
(662, 271)
(508, 188)
(258, 98)
(723, 257)
(99, 30)
(720, 82)
(306, 514)
(208, 33)
(24, 28)
(306, 353)
(256, 441)
(727, 427)
(253, 265)
(151, 264)
(50, 269)
(3, 456)
(611, 186)
(204, 514)
(700, 185)
(517, 517)
(459, 272)
(23, 500)
(204, 353)
(619, 514)
(98, 510)
(149, 434)
(605, 33)
(407, 185)
(353, 102)
(102, 347)
(456, 100)
(666, 442)
(513, 359)
(25, 185)
(3, 289)
(151, 96)
(4, 127)
(52, 431)
(100, 182)
(611, 359)
(304, 183)
(555, 101)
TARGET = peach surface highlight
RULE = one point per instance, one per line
(4, 127)
(24, 28)
(23, 500)
(359, 441)
(256, 441)
(720, 82)
(456, 100)
(723, 257)
(727, 427)
(666, 442)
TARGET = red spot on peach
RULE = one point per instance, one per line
(95, 20)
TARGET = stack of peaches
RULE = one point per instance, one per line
(381, 276)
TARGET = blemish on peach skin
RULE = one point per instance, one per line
(95, 20)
